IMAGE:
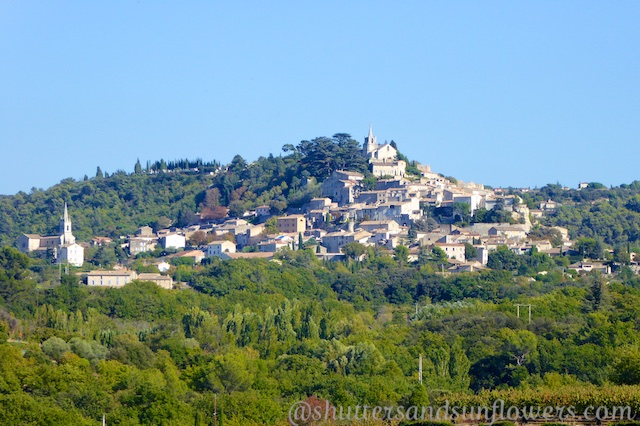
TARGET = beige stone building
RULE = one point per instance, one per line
(392, 168)
(122, 277)
(110, 278)
(293, 224)
(453, 251)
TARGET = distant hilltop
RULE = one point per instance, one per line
(181, 193)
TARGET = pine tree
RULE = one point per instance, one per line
(99, 173)
(137, 169)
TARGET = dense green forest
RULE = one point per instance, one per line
(257, 336)
(261, 335)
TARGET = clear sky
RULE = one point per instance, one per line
(504, 93)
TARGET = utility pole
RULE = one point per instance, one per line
(420, 369)
(518, 311)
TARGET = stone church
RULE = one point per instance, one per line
(63, 245)
(383, 159)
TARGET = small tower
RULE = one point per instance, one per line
(65, 228)
(370, 143)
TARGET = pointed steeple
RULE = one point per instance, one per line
(370, 143)
(65, 217)
(65, 228)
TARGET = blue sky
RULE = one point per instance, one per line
(503, 93)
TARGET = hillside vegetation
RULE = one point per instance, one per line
(262, 335)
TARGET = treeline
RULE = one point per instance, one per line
(179, 165)
(611, 215)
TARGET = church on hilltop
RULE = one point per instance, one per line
(383, 159)
(63, 245)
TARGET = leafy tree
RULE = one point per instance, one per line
(198, 238)
(503, 259)
(470, 251)
(55, 347)
(553, 235)
(596, 292)
(418, 397)
(128, 350)
(621, 256)
(626, 369)
(438, 255)
(401, 254)
(589, 248)
(162, 222)
(4, 332)
(13, 264)
(353, 250)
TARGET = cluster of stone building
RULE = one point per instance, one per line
(346, 212)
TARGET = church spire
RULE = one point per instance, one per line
(370, 143)
(66, 233)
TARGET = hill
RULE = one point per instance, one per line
(173, 192)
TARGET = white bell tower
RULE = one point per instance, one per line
(65, 228)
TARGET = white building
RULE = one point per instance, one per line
(373, 151)
(334, 241)
(73, 254)
(217, 248)
(383, 159)
(453, 251)
(175, 241)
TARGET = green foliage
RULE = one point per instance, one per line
(589, 248)
(55, 347)
(551, 234)
(401, 254)
(261, 335)
(626, 369)
(609, 215)
(470, 251)
(4, 332)
(353, 250)
(495, 215)
(321, 156)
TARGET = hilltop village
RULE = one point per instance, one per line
(392, 215)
